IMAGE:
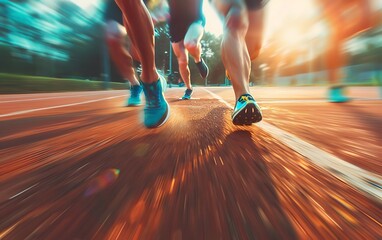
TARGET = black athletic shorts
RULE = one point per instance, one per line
(255, 4)
(183, 13)
(112, 12)
(178, 28)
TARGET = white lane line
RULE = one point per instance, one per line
(58, 106)
(361, 179)
(46, 98)
(23, 191)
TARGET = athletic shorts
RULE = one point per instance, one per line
(255, 4)
(183, 13)
(179, 27)
(112, 12)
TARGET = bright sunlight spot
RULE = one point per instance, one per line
(213, 24)
(277, 19)
(86, 4)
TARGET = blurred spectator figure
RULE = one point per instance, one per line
(346, 18)
(121, 50)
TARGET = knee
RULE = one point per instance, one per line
(237, 19)
(191, 45)
(182, 61)
(112, 40)
(254, 51)
(181, 56)
(112, 31)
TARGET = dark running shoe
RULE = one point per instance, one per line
(187, 94)
(246, 111)
(203, 68)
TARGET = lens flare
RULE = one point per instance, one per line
(105, 179)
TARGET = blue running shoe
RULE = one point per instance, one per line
(246, 111)
(337, 95)
(135, 96)
(157, 110)
(187, 94)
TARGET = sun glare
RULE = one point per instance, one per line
(85, 4)
(290, 22)
(277, 17)
(213, 22)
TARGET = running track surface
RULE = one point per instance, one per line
(81, 166)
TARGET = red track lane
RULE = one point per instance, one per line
(92, 171)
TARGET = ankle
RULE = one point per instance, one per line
(152, 77)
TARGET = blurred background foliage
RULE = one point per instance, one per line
(65, 39)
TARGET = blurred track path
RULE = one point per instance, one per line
(89, 170)
(17, 104)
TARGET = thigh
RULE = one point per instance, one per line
(347, 18)
(223, 6)
(180, 51)
(255, 29)
(194, 32)
(178, 29)
(114, 30)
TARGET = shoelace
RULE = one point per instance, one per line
(153, 99)
(245, 98)
(135, 92)
(188, 91)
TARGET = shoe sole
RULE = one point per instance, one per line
(339, 101)
(187, 98)
(133, 105)
(248, 115)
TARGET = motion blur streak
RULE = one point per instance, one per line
(75, 164)
(94, 172)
